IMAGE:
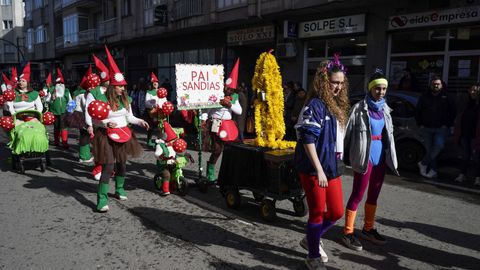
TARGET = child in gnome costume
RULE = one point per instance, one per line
(217, 124)
(7, 85)
(171, 158)
(47, 88)
(58, 99)
(25, 97)
(76, 119)
(97, 93)
(153, 103)
(113, 141)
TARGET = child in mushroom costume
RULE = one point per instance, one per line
(171, 158)
(218, 127)
(76, 119)
(154, 99)
(57, 99)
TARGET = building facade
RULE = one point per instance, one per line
(440, 37)
(11, 33)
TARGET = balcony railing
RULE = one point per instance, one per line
(59, 4)
(108, 28)
(81, 38)
(187, 8)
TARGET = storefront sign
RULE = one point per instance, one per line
(254, 34)
(333, 26)
(199, 86)
(290, 29)
(449, 16)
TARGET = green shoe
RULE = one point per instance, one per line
(151, 143)
(211, 172)
(119, 191)
(84, 153)
(102, 197)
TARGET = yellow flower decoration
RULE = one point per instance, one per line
(269, 122)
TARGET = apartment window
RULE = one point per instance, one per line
(70, 29)
(148, 13)
(9, 48)
(37, 4)
(230, 3)
(126, 8)
(7, 24)
(29, 39)
(40, 34)
(28, 9)
(187, 8)
(6, 2)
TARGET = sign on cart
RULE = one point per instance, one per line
(199, 86)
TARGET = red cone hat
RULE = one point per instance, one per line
(59, 77)
(116, 77)
(83, 83)
(102, 69)
(14, 77)
(26, 73)
(168, 132)
(48, 80)
(232, 80)
(153, 78)
(7, 81)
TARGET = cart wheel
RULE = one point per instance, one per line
(267, 210)
(258, 197)
(183, 187)
(203, 186)
(21, 167)
(155, 178)
(43, 165)
(233, 199)
(300, 206)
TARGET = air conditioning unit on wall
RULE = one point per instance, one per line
(286, 50)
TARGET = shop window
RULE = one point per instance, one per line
(419, 41)
(465, 38)
(423, 68)
(347, 46)
(191, 57)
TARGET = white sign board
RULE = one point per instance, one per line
(440, 17)
(333, 26)
(199, 86)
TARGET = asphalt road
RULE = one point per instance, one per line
(48, 221)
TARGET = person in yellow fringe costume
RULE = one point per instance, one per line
(269, 122)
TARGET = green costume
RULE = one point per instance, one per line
(59, 105)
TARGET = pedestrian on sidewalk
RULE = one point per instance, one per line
(371, 147)
(114, 142)
(435, 114)
(467, 134)
(320, 130)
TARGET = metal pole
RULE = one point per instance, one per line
(199, 129)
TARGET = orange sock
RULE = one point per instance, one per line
(349, 221)
(369, 216)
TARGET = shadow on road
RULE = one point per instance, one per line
(194, 229)
(446, 235)
(64, 187)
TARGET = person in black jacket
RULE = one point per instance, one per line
(435, 115)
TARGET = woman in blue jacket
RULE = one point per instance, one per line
(320, 130)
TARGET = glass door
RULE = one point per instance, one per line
(463, 71)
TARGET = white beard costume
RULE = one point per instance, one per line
(59, 90)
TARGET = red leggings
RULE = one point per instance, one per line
(320, 198)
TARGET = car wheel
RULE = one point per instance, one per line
(409, 153)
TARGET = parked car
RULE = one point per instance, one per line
(408, 140)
